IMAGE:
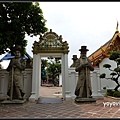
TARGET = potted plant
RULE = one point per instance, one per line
(114, 76)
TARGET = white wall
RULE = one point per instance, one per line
(109, 84)
(60, 79)
(3, 84)
(96, 82)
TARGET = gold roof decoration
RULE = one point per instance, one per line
(103, 51)
(50, 42)
(93, 57)
(117, 27)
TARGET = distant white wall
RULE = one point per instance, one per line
(60, 79)
(5, 63)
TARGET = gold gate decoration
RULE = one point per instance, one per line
(50, 42)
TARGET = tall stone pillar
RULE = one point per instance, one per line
(38, 76)
(34, 80)
(2, 78)
(67, 83)
(72, 81)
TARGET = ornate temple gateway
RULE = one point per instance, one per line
(50, 44)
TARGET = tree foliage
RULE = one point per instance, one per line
(107, 66)
(53, 69)
(50, 69)
(43, 71)
(115, 73)
(103, 75)
(114, 55)
(18, 19)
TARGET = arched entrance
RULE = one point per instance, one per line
(50, 44)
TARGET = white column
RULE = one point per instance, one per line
(72, 81)
(99, 83)
(67, 83)
(27, 82)
(2, 79)
(76, 78)
(38, 78)
(60, 79)
(63, 77)
(34, 80)
(3, 83)
(95, 84)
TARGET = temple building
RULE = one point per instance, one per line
(101, 57)
(104, 51)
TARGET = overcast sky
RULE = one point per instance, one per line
(80, 23)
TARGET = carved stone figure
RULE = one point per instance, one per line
(74, 60)
(15, 83)
(83, 67)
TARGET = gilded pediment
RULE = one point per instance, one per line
(114, 45)
(50, 42)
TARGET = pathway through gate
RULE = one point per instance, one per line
(50, 95)
(51, 92)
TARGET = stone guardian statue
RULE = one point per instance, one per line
(15, 82)
(83, 67)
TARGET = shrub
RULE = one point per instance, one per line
(102, 75)
(110, 92)
(115, 73)
(116, 94)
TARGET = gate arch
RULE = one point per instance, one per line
(50, 44)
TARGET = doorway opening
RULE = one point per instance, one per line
(51, 79)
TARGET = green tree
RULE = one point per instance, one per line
(18, 19)
(43, 71)
(114, 73)
(53, 69)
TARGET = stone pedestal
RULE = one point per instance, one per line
(85, 100)
(15, 101)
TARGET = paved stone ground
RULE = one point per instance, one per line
(50, 92)
(67, 109)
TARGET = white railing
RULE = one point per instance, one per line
(70, 87)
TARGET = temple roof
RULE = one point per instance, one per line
(8, 56)
(105, 50)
